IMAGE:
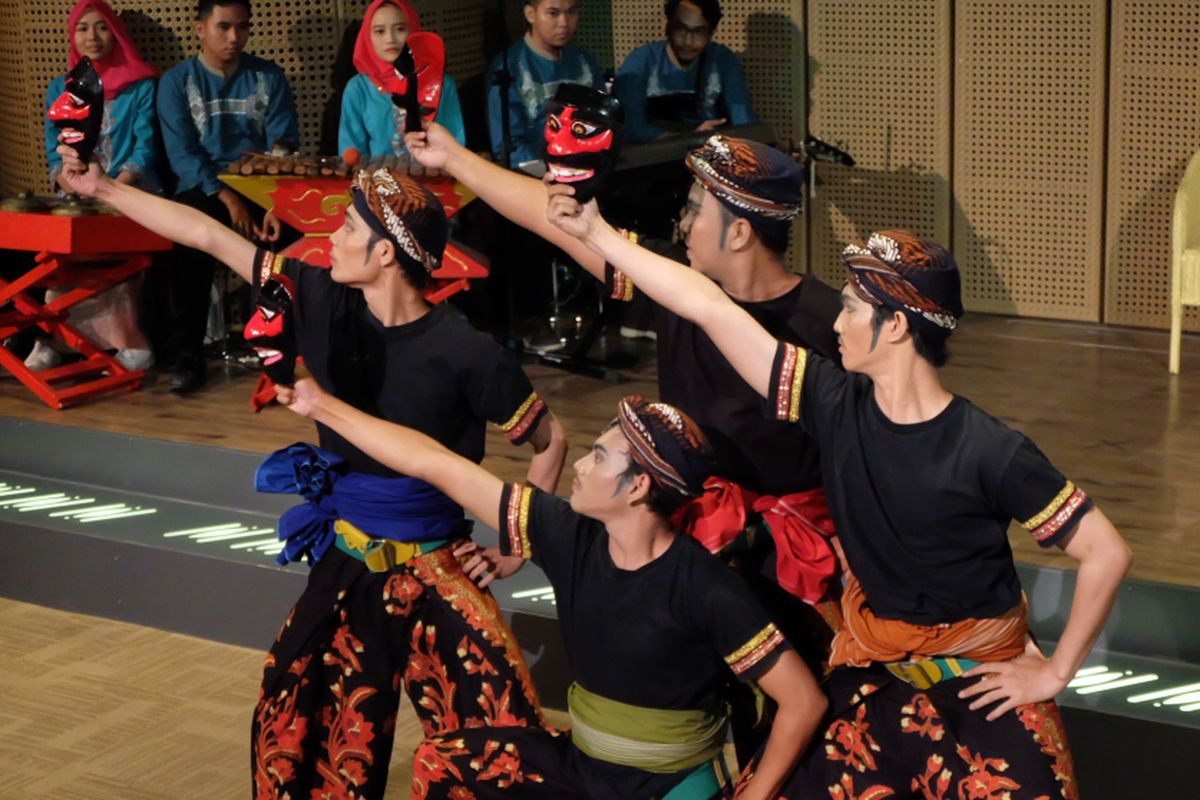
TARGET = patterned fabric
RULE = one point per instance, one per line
(324, 723)
(403, 211)
(481, 763)
(516, 521)
(752, 180)
(787, 381)
(888, 739)
(915, 276)
(866, 637)
(524, 419)
(1058, 513)
(665, 441)
(759, 647)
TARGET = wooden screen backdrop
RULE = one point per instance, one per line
(879, 72)
(1153, 130)
(1029, 107)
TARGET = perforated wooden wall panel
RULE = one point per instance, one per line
(302, 37)
(1153, 130)
(880, 85)
(19, 137)
(1029, 155)
(595, 32)
(768, 37)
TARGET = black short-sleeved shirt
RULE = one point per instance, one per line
(761, 454)
(437, 374)
(923, 510)
(667, 635)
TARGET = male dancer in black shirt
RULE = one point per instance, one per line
(387, 603)
(653, 625)
(768, 470)
(922, 488)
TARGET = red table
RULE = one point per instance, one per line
(90, 254)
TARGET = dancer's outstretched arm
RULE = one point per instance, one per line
(405, 450)
(518, 197)
(676, 287)
(168, 219)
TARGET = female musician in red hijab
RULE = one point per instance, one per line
(370, 122)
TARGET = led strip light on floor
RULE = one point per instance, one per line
(1172, 689)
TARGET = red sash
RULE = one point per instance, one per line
(799, 524)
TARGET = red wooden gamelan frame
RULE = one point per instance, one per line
(90, 254)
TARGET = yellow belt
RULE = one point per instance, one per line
(925, 672)
(380, 555)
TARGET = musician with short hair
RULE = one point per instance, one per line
(685, 82)
(534, 66)
(212, 107)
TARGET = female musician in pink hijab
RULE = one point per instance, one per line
(127, 150)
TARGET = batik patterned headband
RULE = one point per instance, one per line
(637, 418)
(383, 185)
(878, 266)
(720, 161)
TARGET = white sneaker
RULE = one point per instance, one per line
(135, 359)
(43, 356)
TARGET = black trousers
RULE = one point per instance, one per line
(176, 293)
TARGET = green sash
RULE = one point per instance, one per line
(654, 739)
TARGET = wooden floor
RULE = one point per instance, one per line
(100, 710)
(1097, 400)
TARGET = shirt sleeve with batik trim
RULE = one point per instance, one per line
(1037, 495)
(499, 391)
(315, 288)
(540, 527)
(618, 286)
(743, 634)
(805, 388)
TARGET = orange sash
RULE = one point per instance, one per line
(865, 638)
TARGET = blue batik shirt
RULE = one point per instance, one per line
(127, 141)
(535, 79)
(649, 72)
(209, 120)
(373, 125)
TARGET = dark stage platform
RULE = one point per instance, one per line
(174, 537)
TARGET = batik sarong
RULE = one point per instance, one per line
(885, 738)
(326, 716)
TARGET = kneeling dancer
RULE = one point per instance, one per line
(652, 623)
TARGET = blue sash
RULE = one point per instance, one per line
(404, 509)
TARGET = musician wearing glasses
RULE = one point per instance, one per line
(685, 82)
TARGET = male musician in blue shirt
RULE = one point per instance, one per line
(685, 82)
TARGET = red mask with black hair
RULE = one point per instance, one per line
(422, 67)
(583, 138)
(272, 331)
(79, 110)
